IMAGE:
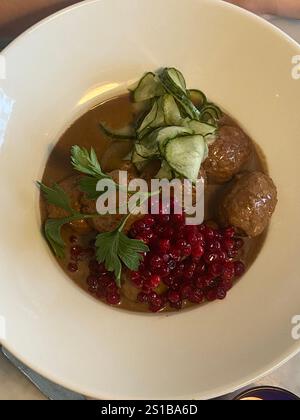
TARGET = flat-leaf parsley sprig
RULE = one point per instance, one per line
(88, 164)
(57, 197)
(112, 248)
(115, 248)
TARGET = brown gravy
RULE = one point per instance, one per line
(85, 132)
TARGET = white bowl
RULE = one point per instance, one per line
(55, 72)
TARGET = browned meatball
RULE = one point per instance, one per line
(70, 186)
(249, 203)
(228, 154)
(108, 223)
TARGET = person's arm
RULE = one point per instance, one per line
(288, 8)
(18, 15)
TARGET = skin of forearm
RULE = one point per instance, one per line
(288, 8)
(18, 15)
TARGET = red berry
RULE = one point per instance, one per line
(179, 270)
(211, 295)
(176, 284)
(153, 297)
(73, 239)
(209, 233)
(191, 229)
(154, 281)
(112, 288)
(164, 246)
(168, 281)
(72, 267)
(164, 271)
(137, 279)
(228, 271)
(196, 296)
(92, 283)
(163, 219)
(174, 296)
(229, 244)
(204, 281)
(113, 298)
(222, 256)
(105, 279)
(135, 275)
(226, 284)
(146, 288)
(185, 290)
(201, 267)
(178, 218)
(197, 251)
(215, 269)
(193, 238)
(167, 233)
(239, 243)
(166, 258)
(189, 270)
(156, 262)
(211, 257)
(144, 237)
(202, 228)
(149, 220)
(229, 232)
(75, 251)
(221, 293)
(175, 254)
(184, 247)
(239, 268)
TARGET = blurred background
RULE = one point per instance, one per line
(18, 15)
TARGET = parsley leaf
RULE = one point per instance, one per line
(56, 196)
(115, 247)
(53, 235)
(53, 232)
(88, 185)
(112, 248)
(88, 163)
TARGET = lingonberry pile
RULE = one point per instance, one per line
(185, 263)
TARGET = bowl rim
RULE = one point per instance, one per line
(81, 4)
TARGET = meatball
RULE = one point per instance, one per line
(70, 186)
(228, 154)
(249, 203)
(109, 222)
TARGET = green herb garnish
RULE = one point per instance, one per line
(115, 248)
(57, 197)
(88, 164)
(53, 234)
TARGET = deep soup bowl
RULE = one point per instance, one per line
(53, 74)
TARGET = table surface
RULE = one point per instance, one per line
(15, 386)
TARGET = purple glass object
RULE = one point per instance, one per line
(266, 393)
